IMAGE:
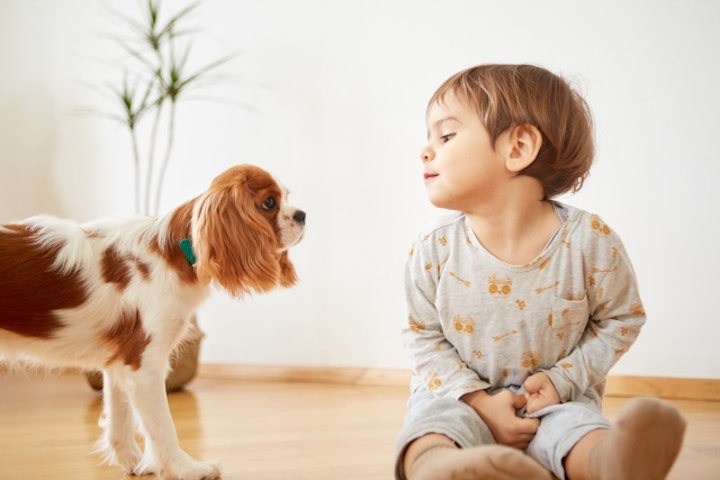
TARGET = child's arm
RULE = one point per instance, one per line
(616, 317)
(434, 360)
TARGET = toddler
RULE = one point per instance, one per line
(518, 304)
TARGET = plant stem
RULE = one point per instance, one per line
(136, 165)
(166, 159)
(151, 158)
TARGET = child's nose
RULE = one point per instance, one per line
(426, 154)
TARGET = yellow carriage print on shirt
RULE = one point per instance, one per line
(598, 226)
(434, 383)
(466, 325)
(499, 287)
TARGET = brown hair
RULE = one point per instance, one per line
(506, 96)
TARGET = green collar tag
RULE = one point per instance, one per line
(187, 249)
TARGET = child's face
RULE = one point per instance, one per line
(462, 170)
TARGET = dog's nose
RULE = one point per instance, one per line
(299, 217)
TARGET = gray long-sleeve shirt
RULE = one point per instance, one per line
(476, 322)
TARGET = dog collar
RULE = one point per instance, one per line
(187, 249)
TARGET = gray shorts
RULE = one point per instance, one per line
(561, 426)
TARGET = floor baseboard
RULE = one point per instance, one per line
(664, 387)
(678, 388)
(618, 385)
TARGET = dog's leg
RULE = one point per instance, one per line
(163, 455)
(117, 444)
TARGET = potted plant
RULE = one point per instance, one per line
(155, 78)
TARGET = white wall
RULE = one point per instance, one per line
(338, 91)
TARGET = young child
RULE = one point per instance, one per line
(519, 305)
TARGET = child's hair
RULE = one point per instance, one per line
(506, 96)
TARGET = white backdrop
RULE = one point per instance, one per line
(337, 92)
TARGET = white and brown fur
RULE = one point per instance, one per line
(118, 294)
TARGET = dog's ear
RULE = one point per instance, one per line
(234, 244)
(288, 277)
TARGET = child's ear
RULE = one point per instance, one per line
(524, 142)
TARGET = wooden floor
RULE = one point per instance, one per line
(259, 430)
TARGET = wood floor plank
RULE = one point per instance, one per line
(259, 430)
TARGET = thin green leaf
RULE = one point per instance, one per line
(170, 25)
(207, 68)
(131, 22)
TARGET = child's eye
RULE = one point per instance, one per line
(446, 138)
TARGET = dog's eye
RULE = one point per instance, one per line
(268, 204)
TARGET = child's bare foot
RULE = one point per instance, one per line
(642, 443)
(489, 462)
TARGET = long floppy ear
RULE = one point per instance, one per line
(233, 243)
(288, 277)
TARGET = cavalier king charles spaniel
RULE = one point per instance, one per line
(118, 294)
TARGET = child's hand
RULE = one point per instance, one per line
(539, 392)
(498, 413)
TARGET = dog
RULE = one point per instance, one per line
(117, 295)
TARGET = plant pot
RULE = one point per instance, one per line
(183, 363)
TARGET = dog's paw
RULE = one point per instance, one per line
(191, 470)
(177, 466)
(124, 455)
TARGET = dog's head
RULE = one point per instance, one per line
(242, 228)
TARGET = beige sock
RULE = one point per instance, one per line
(642, 443)
(489, 462)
